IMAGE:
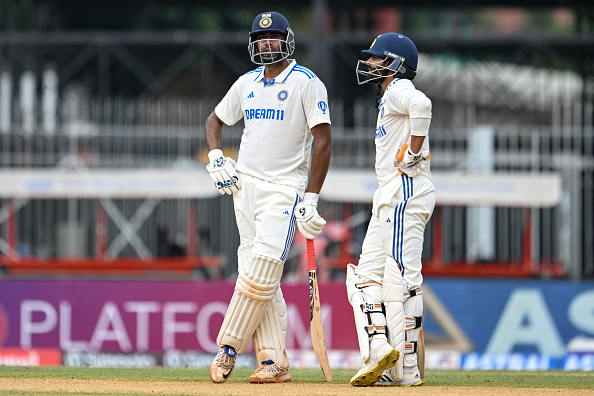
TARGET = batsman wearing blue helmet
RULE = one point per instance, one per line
(385, 287)
(275, 185)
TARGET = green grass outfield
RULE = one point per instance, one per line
(119, 381)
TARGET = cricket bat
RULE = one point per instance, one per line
(317, 330)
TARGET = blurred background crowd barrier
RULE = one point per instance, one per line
(512, 93)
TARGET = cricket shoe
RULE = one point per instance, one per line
(411, 377)
(270, 372)
(223, 364)
(379, 360)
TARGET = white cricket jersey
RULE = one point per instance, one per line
(278, 115)
(400, 103)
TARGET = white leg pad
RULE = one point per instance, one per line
(254, 289)
(413, 307)
(270, 337)
(368, 308)
(393, 296)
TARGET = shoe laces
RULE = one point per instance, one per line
(224, 360)
(269, 366)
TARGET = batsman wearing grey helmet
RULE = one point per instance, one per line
(275, 184)
(385, 287)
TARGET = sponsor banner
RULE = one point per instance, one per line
(468, 323)
(527, 362)
(339, 359)
(452, 360)
(194, 359)
(30, 357)
(150, 316)
(98, 359)
(494, 316)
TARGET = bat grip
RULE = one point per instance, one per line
(311, 255)
(401, 152)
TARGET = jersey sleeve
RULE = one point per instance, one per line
(418, 107)
(315, 103)
(229, 108)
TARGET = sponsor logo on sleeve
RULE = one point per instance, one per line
(322, 106)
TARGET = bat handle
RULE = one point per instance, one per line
(401, 152)
(311, 255)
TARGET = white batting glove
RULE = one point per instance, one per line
(412, 163)
(309, 222)
(222, 172)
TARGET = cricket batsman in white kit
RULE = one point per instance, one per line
(275, 183)
(385, 287)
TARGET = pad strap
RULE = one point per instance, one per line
(413, 322)
(369, 308)
(412, 293)
(410, 347)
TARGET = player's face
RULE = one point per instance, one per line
(374, 61)
(371, 70)
(269, 44)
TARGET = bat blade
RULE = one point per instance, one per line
(421, 353)
(318, 340)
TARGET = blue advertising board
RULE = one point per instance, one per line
(523, 324)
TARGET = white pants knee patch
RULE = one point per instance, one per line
(254, 289)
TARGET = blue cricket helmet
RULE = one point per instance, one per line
(396, 46)
(271, 22)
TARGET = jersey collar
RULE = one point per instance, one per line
(392, 83)
(281, 77)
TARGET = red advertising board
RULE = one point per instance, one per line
(30, 357)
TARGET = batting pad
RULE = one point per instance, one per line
(366, 299)
(254, 289)
(413, 307)
(393, 296)
(270, 336)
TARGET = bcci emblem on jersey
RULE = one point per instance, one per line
(283, 95)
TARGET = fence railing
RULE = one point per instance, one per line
(168, 134)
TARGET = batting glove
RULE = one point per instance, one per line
(309, 222)
(222, 172)
(412, 163)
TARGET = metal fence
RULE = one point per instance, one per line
(167, 132)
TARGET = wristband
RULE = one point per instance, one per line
(309, 196)
(214, 154)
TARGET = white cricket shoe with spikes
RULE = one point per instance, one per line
(270, 372)
(379, 360)
(411, 377)
(223, 364)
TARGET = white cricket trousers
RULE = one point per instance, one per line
(265, 218)
(401, 209)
